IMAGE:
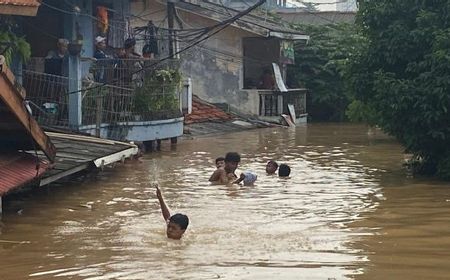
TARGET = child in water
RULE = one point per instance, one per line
(271, 167)
(227, 174)
(176, 224)
(220, 162)
(284, 170)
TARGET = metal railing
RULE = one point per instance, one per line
(275, 103)
(114, 93)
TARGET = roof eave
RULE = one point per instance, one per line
(289, 36)
(8, 9)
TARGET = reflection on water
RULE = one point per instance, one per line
(348, 211)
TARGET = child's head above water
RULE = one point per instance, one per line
(220, 162)
(271, 167)
(232, 160)
(284, 170)
(176, 226)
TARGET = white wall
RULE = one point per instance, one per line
(347, 6)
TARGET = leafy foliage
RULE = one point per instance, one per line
(159, 91)
(321, 68)
(10, 43)
(401, 80)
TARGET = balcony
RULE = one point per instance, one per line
(120, 99)
(269, 105)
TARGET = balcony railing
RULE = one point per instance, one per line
(274, 103)
(115, 92)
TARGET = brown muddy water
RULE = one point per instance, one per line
(349, 211)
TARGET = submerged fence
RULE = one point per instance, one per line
(112, 94)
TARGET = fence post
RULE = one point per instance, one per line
(280, 103)
(186, 97)
(98, 113)
(74, 92)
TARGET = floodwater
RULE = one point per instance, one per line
(349, 211)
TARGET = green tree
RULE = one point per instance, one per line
(321, 67)
(401, 81)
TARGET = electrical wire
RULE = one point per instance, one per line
(210, 31)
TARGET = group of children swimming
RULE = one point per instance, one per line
(224, 175)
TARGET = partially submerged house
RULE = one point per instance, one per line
(19, 132)
(20, 138)
(30, 156)
(228, 67)
(67, 92)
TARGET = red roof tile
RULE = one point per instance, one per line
(19, 7)
(30, 3)
(17, 169)
(204, 112)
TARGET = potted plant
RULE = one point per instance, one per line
(158, 95)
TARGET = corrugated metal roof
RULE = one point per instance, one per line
(16, 169)
(29, 3)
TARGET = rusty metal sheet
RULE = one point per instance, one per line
(17, 169)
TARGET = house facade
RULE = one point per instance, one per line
(228, 66)
(101, 97)
(19, 132)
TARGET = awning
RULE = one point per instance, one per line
(19, 7)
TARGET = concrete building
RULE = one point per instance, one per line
(227, 67)
(346, 6)
(300, 16)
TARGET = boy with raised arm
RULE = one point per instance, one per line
(176, 224)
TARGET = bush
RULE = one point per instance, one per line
(320, 67)
(404, 76)
(17, 45)
(159, 92)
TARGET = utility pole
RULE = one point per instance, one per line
(170, 22)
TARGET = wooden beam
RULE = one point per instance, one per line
(57, 176)
(12, 98)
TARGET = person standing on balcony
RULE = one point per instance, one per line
(150, 49)
(102, 59)
(267, 81)
(100, 47)
(129, 47)
(130, 64)
(57, 61)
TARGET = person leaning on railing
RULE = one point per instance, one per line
(57, 61)
(129, 62)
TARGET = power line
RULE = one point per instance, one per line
(207, 34)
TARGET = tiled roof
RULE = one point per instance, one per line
(19, 7)
(204, 112)
(29, 3)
